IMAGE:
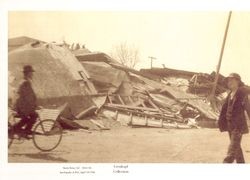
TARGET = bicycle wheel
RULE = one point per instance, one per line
(10, 134)
(47, 135)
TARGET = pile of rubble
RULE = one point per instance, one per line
(192, 82)
(106, 94)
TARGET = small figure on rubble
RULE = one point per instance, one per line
(232, 117)
(26, 103)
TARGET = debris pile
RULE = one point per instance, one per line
(136, 100)
(192, 82)
(102, 94)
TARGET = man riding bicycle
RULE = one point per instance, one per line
(26, 103)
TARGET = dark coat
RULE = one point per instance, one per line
(26, 103)
(239, 120)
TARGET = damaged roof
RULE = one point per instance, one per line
(57, 79)
(17, 42)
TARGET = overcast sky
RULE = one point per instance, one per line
(181, 40)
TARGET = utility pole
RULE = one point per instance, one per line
(221, 56)
(152, 58)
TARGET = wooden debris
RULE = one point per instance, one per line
(132, 107)
(86, 112)
(99, 125)
(136, 113)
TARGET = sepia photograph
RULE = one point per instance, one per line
(128, 87)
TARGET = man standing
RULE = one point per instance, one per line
(27, 102)
(232, 118)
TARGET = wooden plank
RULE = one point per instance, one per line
(84, 130)
(89, 84)
(119, 97)
(99, 125)
(167, 118)
(133, 107)
(89, 111)
(143, 104)
(85, 73)
(152, 104)
(116, 115)
(109, 98)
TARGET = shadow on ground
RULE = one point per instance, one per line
(43, 156)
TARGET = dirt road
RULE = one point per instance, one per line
(144, 145)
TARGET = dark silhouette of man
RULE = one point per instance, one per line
(26, 103)
(232, 117)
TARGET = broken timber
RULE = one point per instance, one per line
(99, 125)
(133, 107)
(141, 112)
(144, 114)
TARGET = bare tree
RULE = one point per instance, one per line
(127, 55)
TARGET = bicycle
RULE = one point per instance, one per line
(46, 134)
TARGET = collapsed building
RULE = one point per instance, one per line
(129, 92)
(96, 87)
(59, 76)
(193, 82)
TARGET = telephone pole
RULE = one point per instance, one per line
(151, 59)
(221, 56)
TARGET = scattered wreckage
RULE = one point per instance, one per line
(105, 93)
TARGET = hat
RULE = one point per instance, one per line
(235, 76)
(28, 68)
